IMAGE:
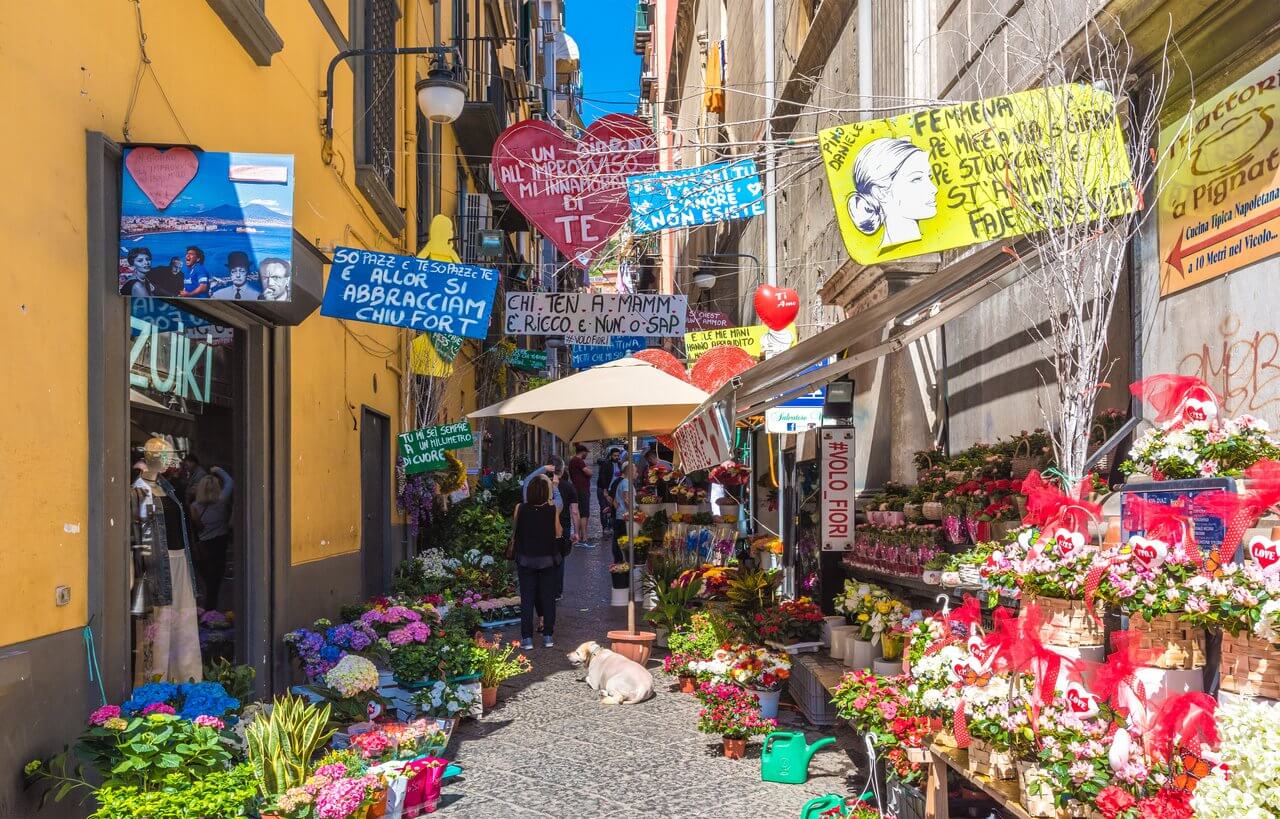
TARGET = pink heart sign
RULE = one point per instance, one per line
(1266, 553)
(574, 191)
(162, 175)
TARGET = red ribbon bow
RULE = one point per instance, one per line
(1168, 395)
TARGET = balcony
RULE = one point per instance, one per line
(644, 26)
(484, 115)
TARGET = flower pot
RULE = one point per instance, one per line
(423, 792)
(489, 696)
(887, 668)
(839, 636)
(864, 651)
(688, 684)
(734, 748)
(932, 510)
(1035, 791)
(619, 580)
(768, 702)
(620, 597)
(989, 762)
(1068, 622)
(634, 646)
(896, 518)
(829, 622)
(932, 576)
(1169, 642)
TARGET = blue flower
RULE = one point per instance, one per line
(331, 654)
(149, 694)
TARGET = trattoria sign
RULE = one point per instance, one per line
(423, 449)
(599, 314)
(835, 452)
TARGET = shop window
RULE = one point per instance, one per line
(185, 420)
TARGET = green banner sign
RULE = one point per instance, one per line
(423, 449)
(532, 360)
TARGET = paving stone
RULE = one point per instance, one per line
(550, 749)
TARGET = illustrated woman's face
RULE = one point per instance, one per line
(912, 193)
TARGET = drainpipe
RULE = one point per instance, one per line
(865, 68)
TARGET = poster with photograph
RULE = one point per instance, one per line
(206, 225)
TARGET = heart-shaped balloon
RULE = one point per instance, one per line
(1066, 542)
(574, 191)
(161, 175)
(777, 307)
(1150, 553)
(1266, 553)
(1080, 702)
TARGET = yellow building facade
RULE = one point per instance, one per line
(313, 404)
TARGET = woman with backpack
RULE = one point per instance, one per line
(535, 547)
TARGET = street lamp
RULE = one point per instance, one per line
(704, 280)
(441, 94)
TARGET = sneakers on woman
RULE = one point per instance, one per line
(527, 644)
(547, 642)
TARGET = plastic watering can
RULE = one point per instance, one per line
(819, 805)
(786, 757)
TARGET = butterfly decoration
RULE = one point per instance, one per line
(975, 678)
(1194, 768)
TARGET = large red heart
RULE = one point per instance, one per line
(162, 175)
(574, 191)
(776, 306)
(1266, 553)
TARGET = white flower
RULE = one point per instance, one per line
(1247, 782)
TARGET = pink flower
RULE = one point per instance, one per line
(158, 708)
(860, 703)
(210, 722)
(104, 713)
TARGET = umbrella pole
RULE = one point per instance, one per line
(631, 525)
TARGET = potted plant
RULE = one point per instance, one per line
(281, 744)
(790, 621)
(672, 602)
(934, 567)
(620, 580)
(692, 642)
(499, 662)
(996, 712)
(351, 689)
(761, 671)
(733, 714)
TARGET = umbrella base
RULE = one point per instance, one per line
(633, 646)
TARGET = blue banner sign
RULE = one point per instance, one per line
(719, 192)
(586, 356)
(406, 291)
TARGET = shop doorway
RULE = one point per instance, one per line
(375, 501)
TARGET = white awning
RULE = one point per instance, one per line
(566, 50)
(875, 332)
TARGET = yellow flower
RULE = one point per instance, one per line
(119, 723)
(883, 607)
(864, 617)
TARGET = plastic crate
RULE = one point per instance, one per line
(903, 801)
(808, 692)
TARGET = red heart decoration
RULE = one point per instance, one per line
(161, 175)
(1266, 553)
(717, 366)
(1081, 703)
(574, 191)
(1150, 553)
(777, 307)
(1067, 541)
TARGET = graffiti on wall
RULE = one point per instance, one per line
(1242, 365)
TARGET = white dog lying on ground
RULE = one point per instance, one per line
(620, 680)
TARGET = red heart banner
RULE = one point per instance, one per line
(777, 307)
(1265, 552)
(162, 175)
(574, 191)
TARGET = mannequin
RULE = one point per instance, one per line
(169, 638)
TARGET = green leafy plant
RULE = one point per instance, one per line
(281, 745)
(219, 794)
(752, 591)
(236, 679)
(501, 661)
(673, 601)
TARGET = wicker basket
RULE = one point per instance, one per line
(957, 476)
(1067, 623)
(1023, 463)
(1040, 803)
(1177, 644)
(932, 510)
(994, 764)
(1250, 666)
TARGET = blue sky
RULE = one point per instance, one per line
(604, 31)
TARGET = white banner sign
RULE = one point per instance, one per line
(595, 314)
(836, 454)
(792, 419)
(701, 442)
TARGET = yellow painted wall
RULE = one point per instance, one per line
(68, 66)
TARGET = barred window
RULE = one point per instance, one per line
(376, 116)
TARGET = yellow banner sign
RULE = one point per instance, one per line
(1219, 206)
(756, 340)
(944, 178)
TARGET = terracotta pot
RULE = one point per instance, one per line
(734, 748)
(688, 684)
(633, 646)
(489, 697)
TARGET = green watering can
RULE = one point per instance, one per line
(786, 757)
(819, 805)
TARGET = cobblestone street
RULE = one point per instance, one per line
(550, 750)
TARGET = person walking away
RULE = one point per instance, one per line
(536, 550)
(567, 512)
(553, 463)
(621, 508)
(580, 476)
(606, 468)
(211, 513)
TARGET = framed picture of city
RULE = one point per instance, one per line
(204, 225)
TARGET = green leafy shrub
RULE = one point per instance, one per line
(215, 796)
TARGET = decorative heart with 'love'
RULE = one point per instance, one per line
(1266, 553)
(777, 307)
(1150, 553)
(1194, 409)
(161, 175)
(574, 191)
(980, 654)
(1066, 542)
(1080, 702)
